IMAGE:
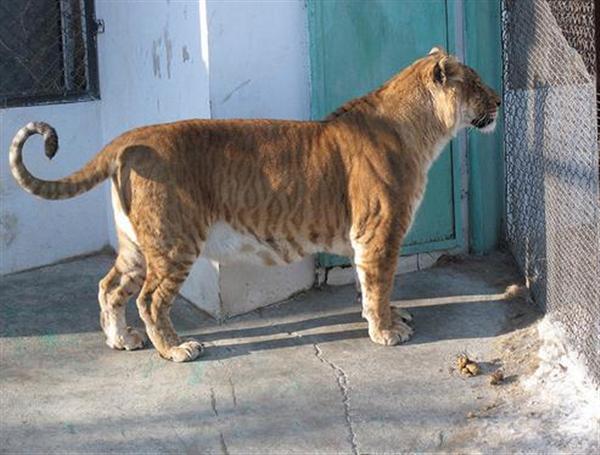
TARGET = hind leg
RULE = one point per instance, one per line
(122, 281)
(163, 281)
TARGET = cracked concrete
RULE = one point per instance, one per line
(342, 380)
(297, 377)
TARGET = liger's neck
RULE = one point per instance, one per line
(428, 116)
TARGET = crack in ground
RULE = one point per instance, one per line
(213, 402)
(342, 380)
(233, 396)
(224, 449)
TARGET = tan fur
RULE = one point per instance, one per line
(279, 190)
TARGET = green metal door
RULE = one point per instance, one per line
(357, 45)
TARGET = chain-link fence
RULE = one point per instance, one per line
(551, 147)
(47, 51)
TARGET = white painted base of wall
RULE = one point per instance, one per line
(202, 287)
(225, 291)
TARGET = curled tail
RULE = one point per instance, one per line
(94, 172)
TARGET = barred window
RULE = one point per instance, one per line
(47, 52)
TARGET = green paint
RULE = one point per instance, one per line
(483, 49)
(355, 47)
(151, 366)
(50, 342)
(196, 373)
(21, 346)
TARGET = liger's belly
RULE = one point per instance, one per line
(228, 245)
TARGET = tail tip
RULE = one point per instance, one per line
(50, 147)
(50, 137)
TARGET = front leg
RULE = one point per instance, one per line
(356, 283)
(376, 261)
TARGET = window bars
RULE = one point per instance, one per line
(47, 52)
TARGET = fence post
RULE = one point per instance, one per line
(483, 52)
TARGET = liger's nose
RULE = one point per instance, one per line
(498, 103)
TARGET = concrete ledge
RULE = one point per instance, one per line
(224, 291)
(202, 288)
(247, 287)
(339, 276)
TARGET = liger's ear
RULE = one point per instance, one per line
(437, 49)
(446, 69)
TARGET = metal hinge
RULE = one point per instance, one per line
(98, 26)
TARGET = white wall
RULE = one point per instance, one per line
(259, 59)
(33, 231)
(153, 65)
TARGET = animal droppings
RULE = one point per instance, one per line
(497, 377)
(467, 366)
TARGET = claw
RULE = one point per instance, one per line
(403, 330)
(402, 314)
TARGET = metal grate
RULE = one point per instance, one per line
(47, 51)
(551, 147)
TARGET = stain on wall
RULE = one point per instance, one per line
(185, 55)
(5, 190)
(8, 228)
(156, 44)
(237, 87)
(169, 49)
(157, 47)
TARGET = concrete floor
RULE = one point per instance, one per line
(296, 377)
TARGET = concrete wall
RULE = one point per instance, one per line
(153, 62)
(35, 232)
(259, 59)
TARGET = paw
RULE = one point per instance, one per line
(399, 331)
(130, 340)
(185, 352)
